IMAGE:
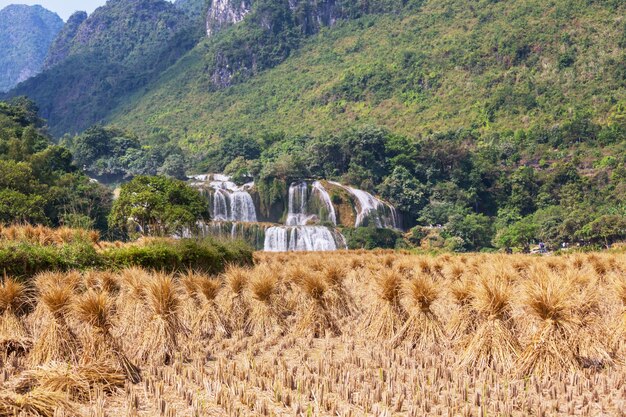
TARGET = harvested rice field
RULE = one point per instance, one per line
(340, 334)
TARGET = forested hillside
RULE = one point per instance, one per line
(489, 66)
(502, 121)
(98, 61)
(26, 33)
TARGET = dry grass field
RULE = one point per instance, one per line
(339, 334)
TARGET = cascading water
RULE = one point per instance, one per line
(309, 204)
(298, 234)
(319, 190)
(297, 206)
(242, 207)
(230, 202)
(383, 215)
(220, 206)
(302, 238)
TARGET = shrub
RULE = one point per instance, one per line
(371, 238)
(25, 259)
(173, 255)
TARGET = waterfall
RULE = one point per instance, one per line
(297, 205)
(242, 207)
(234, 215)
(302, 238)
(276, 240)
(220, 206)
(370, 208)
(298, 234)
(319, 189)
(230, 202)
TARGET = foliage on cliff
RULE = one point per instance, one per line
(26, 33)
(490, 67)
(117, 50)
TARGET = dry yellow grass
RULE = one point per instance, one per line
(341, 334)
(48, 236)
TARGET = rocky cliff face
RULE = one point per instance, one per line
(269, 30)
(309, 15)
(26, 33)
(223, 13)
(60, 48)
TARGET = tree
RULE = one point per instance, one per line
(518, 234)
(366, 147)
(476, 230)
(606, 229)
(236, 146)
(21, 208)
(174, 167)
(404, 191)
(238, 170)
(158, 206)
(80, 201)
(523, 190)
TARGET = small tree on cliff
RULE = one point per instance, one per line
(157, 206)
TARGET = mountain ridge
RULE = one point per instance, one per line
(117, 49)
(26, 32)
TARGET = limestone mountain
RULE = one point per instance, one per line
(60, 48)
(430, 67)
(97, 61)
(26, 32)
(304, 66)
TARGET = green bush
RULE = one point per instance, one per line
(371, 238)
(27, 259)
(204, 255)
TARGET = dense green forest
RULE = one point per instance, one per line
(39, 183)
(557, 185)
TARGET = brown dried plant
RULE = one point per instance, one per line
(14, 301)
(38, 402)
(236, 305)
(551, 300)
(423, 328)
(265, 316)
(313, 317)
(77, 382)
(54, 338)
(494, 342)
(210, 321)
(158, 342)
(386, 315)
(95, 309)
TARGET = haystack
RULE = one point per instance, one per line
(423, 328)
